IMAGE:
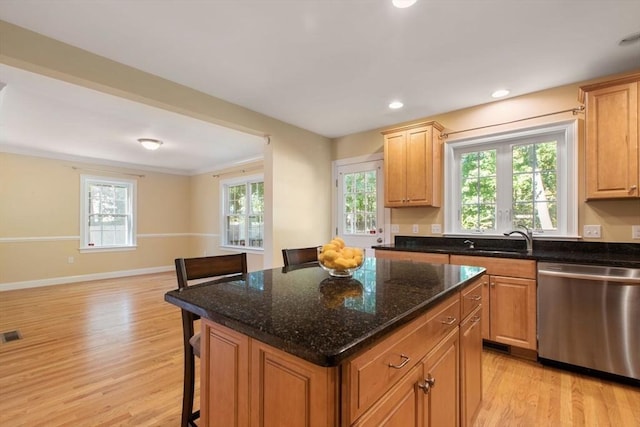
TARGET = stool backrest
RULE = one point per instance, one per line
(300, 256)
(188, 269)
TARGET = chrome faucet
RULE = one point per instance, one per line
(471, 244)
(528, 236)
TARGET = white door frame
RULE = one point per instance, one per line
(386, 228)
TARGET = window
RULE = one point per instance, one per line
(107, 213)
(519, 179)
(359, 192)
(243, 212)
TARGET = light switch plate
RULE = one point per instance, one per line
(592, 231)
(436, 229)
(415, 228)
(395, 228)
(635, 231)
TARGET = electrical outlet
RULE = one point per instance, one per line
(436, 229)
(635, 231)
(71, 260)
(592, 231)
(395, 228)
(415, 228)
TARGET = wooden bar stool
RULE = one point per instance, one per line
(188, 269)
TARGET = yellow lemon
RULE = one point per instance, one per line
(330, 255)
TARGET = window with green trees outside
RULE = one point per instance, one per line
(523, 179)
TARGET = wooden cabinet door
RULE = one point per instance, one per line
(224, 378)
(513, 311)
(611, 157)
(400, 407)
(395, 154)
(442, 367)
(287, 391)
(470, 367)
(419, 166)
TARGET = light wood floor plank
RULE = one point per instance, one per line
(109, 353)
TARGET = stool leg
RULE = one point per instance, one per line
(188, 389)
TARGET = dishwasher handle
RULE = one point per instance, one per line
(589, 276)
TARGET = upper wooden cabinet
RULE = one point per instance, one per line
(612, 154)
(413, 165)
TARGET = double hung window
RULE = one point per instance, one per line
(243, 212)
(514, 180)
(107, 213)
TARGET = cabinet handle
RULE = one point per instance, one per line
(450, 320)
(475, 319)
(632, 188)
(474, 297)
(405, 360)
(428, 384)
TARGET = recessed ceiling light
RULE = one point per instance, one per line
(629, 39)
(500, 93)
(149, 143)
(395, 105)
(401, 4)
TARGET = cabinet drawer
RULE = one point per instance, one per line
(375, 371)
(525, 268)
(471, 297)
(414, 256)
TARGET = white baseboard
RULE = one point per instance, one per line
(82, 278)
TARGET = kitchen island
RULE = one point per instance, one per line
(297, 347)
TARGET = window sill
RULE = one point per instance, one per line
(246, 249)
(92, 249)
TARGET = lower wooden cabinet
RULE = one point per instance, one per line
(441, 370)
(287, 391)
(224, 377)
(513, 311)
(470, 366)
(247, 383)
(509, 295)
(402, 406)
(427, 396)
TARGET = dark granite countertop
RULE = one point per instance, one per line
(592, 253)
(321, 319)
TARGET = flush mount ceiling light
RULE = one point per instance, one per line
(395, 105)
(401, 4)
(149, 143)
(500, 93)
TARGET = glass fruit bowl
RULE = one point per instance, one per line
(340, 262)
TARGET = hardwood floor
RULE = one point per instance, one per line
(109, 353)
(103, 353)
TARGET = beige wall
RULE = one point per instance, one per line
(296, 163)
(615, 216)
(40, 226)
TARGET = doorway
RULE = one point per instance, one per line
(360, 216)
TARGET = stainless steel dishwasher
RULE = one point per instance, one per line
(589, 316)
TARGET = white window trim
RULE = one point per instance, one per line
(567, 173)
(223, 204)
(84, 227)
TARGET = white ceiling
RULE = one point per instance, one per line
(328, 66)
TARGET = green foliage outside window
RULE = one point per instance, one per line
(534, 187)
(360, 202)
